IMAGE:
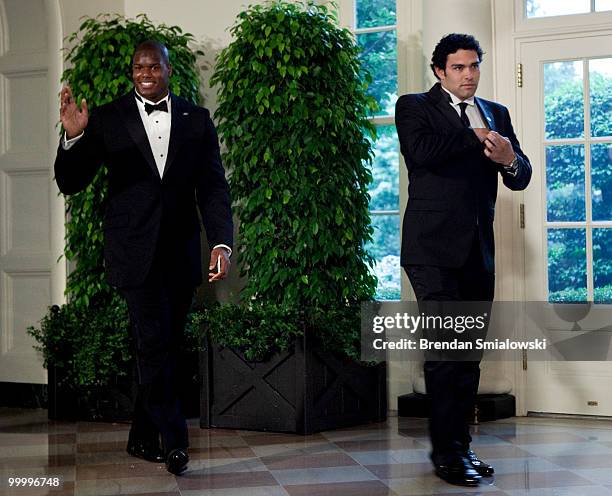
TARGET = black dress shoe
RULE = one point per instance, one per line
(146, 451)
(176, 462)
(481, 467)
(460, 473)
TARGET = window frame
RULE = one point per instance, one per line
(566, 23)
(410, 77)
(588, 224)
(383, 120)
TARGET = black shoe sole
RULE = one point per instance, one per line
(176, 471)
(485, 472)
(459, 482)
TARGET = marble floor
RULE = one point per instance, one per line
(532, 456)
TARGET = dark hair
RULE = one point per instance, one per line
(155, 45)
(450, 44)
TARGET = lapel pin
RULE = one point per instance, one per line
(185, 113)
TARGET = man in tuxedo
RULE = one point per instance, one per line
(455, 146)
(163, 161)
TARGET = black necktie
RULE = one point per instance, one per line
(161, 106)
(464, 117)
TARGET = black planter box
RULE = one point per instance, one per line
(115, 402)
(302, 390)
(112, 403)
(489, 406)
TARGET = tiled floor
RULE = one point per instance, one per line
(532, 456)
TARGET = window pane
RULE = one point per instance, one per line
(602, 265)
(545, 8)
(372, 13)
(379, 56)
(601, 181)
(601, 5)
(563, 100)
(385, 249)
(567, 265)
(384, 190)
(565, 183)
(600, 82)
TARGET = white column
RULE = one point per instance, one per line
(57, 207)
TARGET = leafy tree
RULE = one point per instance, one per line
(292, 111)
(371, 13)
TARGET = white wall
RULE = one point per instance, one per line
(73, 10)
(467, 16)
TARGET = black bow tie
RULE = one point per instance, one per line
(161, 106)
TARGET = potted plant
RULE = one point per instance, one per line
(85, 342)
(293, 117)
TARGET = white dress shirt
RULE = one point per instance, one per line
(157, 125)
(471, 110)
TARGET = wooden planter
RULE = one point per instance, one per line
(302, 390)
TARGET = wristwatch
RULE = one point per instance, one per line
(512, 167)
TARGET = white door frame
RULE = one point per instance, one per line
(32, 215)
(510, 29)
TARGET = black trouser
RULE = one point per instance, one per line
(158, 310)
(451, 385)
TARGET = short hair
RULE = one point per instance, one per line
(450, 44)
(155, 45)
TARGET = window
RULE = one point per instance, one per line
(376, 32)
(547, 8)
(578, 153)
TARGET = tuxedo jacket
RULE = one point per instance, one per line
(148, 215)
(452, 184)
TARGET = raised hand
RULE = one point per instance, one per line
(73, 119)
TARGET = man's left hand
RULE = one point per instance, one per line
(219, 257)
(498, 148)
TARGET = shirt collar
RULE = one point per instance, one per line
(457, 101)
(141, 100)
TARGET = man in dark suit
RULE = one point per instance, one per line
(455, 147)
(163, 161)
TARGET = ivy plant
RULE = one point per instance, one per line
(293, 117)
(88, 336)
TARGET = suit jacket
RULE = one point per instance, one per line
(452, 184)
(145, 214)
